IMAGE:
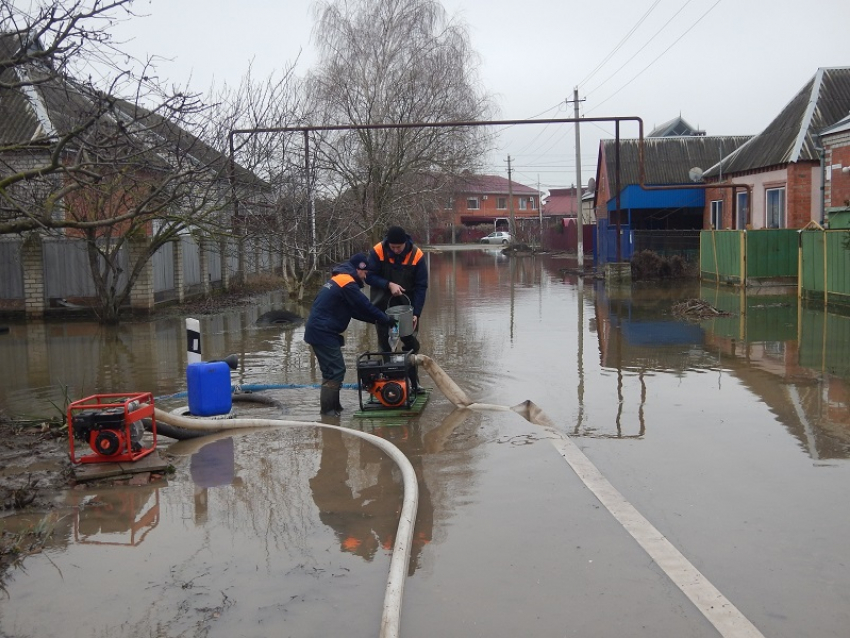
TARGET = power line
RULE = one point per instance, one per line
(621, 43)
(710, 9)
(655, 35)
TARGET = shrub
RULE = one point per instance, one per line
(647, 264)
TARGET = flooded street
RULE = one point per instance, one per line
(685, 461)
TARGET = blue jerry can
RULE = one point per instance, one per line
(209, 388)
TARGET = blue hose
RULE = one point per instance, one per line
(259, 387)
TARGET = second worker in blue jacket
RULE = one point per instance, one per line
(339, 301)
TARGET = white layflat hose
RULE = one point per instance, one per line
(390, 619)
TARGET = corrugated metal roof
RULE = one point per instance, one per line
(792, 135)
(50, 105)
(667, 160)
(674, 128)
(839, 127)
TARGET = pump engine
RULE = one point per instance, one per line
(385, 376)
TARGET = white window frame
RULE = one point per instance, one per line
(502, 203)
(742, 203)
(716, 217)
(472, 203)
(774, 210)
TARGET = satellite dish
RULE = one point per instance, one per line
(591, 184)
(695, 174)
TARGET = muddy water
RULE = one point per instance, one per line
(730, 437)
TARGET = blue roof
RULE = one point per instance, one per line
(635, 197)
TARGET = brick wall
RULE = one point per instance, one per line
(798, 195)
(838, 153)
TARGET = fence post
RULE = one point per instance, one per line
(825, 271)
(225, 263)
(203, 261)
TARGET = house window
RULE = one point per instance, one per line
(717, 214)
(774, 213)
(449, 205)
(742, 202)
(472, 203)
(523, 203)
(502, 203)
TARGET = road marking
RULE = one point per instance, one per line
(719, 610)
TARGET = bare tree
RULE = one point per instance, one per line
(118, 159)
(394, 62)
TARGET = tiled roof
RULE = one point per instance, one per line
(491, 185)
(667, 160)
(792, 135)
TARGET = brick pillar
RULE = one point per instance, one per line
(32, 261)
(177, 266)
(141, 296)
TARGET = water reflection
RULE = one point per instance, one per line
(358, 494)
(493, 322)
(270, 529)
(116, 516)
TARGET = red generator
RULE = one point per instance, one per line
(112, 426)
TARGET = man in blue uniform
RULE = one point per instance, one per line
(397, 267)
(339, 301)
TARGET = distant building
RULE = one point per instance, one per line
(485, 199)
(677, 127)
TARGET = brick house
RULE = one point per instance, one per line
(484, 199)
(836, 145)
(781, 166)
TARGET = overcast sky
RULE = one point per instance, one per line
(727, 66)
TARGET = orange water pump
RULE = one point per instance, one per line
(113, 427)
(385, 377)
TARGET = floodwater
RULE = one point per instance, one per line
(727, 439)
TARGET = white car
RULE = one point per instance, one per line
(499, 237)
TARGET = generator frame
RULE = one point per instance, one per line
(115, 412)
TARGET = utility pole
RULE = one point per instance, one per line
(540, 212)
(580, 215)
(511, 200)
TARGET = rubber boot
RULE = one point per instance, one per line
(329, 398)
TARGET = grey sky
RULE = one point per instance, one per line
(728, 66)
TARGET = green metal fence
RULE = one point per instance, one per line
(749, 257)
(825, 266)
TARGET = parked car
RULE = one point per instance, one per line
(499, 237)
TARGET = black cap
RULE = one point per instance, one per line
(358, 261)
(396, 235)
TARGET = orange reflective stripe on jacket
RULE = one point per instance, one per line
(411, 259)
(342, 280)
